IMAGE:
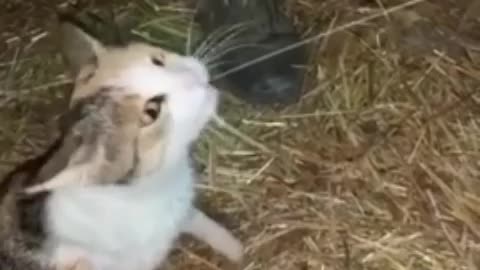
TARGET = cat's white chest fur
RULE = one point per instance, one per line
(121, 227)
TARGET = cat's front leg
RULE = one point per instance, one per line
(218, 237)
(77, 174)
(66, 257)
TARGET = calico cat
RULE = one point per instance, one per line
(96, 221)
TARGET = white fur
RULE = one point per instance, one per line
(134, 227)
(123, 227)
(77, 174)
(212, 233)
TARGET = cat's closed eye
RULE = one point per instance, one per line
(157, 62)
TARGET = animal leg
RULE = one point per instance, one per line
(206, 229)
(76, 174)
(69, 258)
(81, 264)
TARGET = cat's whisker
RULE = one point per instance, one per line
(225, 44)
(209, 39)
(318, 37)
(212, 41)
(213, 66)
(217, 35)
(229, 41)
(224, 30)
(189, 45)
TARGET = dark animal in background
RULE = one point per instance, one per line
(276, 80)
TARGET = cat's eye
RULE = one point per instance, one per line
(157, 62)
(152, 113)
(152, 109)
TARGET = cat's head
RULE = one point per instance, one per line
(174, 89)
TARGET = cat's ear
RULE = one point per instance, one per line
(78, 47)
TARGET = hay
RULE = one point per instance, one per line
(376, 168)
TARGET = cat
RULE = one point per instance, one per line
(133, 225)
